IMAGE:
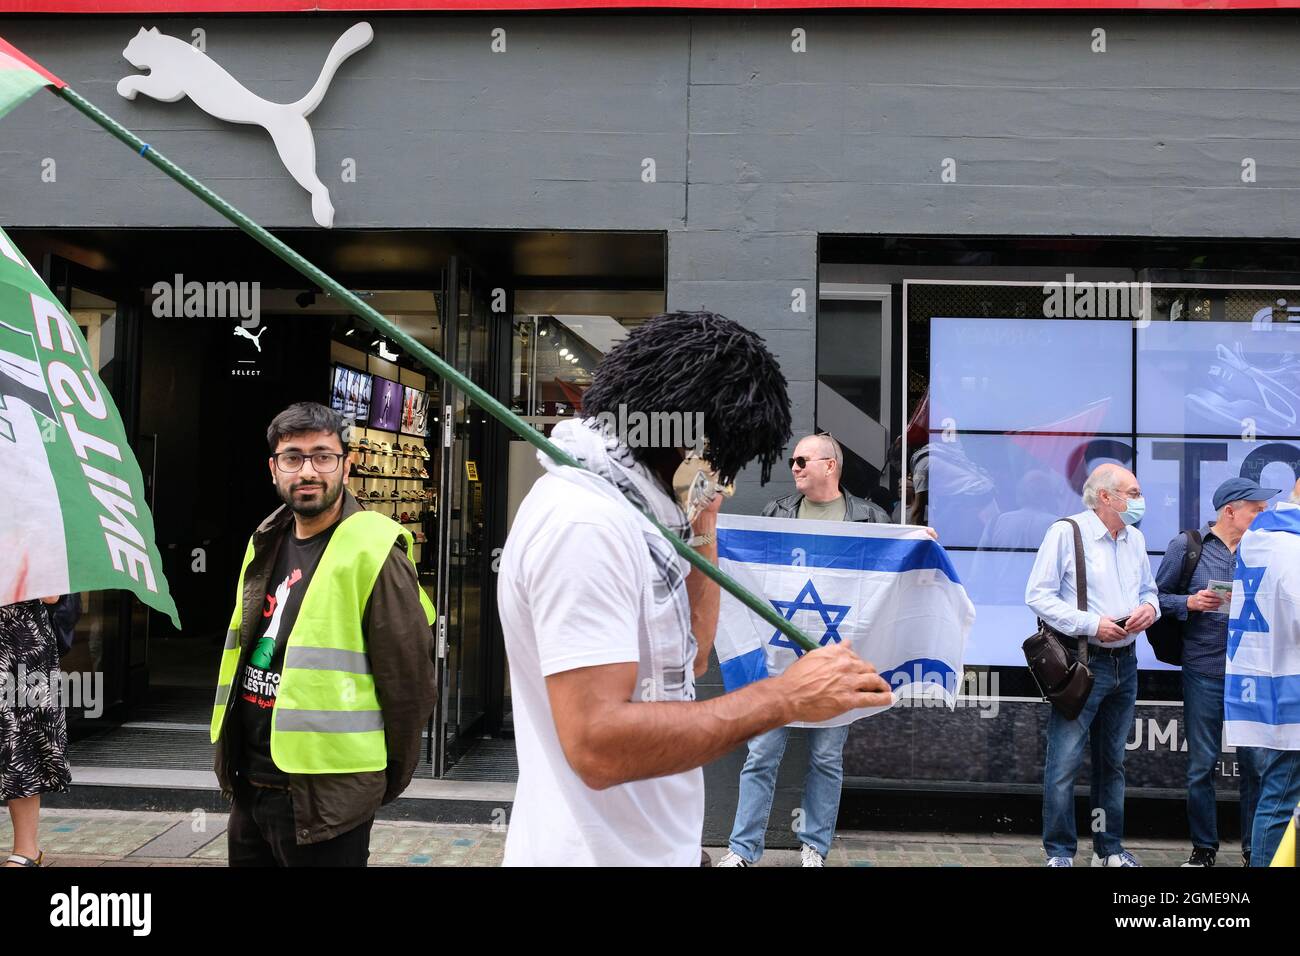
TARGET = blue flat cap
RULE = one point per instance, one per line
(1242, 489)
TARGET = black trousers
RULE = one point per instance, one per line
(261, 832)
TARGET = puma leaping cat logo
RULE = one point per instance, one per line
(178, 70)
(242, 332)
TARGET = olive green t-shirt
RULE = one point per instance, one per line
(822, 510)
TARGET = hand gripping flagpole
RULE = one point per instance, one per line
(481, 398)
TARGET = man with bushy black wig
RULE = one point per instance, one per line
(606, 627)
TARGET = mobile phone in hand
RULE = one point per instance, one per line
(1122, 622)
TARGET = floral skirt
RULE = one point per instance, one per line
(33, 726)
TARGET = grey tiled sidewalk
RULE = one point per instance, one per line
(138, 838)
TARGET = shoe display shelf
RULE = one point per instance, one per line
(390, 473)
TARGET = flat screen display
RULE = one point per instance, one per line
(350, 393)
(385, 404)
(1023, 409)
(415, 412)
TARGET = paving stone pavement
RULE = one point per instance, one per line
(139, 838)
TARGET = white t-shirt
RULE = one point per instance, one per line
(571, 594)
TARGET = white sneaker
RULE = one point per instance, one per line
(810, 857)
(732, 859)
(1061, 861)
(1122, 858)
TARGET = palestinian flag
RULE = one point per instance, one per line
(73, 515)
(20, 77)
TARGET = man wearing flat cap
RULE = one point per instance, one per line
(1202, 613)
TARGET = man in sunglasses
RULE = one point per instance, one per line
(817, 464)
(326, 680)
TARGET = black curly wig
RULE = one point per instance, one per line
(701, 362)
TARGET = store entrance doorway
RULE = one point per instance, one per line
(470, 663)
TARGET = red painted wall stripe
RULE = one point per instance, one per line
(191, 7)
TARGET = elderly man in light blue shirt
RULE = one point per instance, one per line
(1122, 602)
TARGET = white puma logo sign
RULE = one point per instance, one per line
(255, 339)
(178, 70)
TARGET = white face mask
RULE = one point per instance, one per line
(1133, 513)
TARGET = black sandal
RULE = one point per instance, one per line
(27, 860)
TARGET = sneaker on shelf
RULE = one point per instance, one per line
(423, 473)
(1060, 861)
(1122, 858)
(731, 858)
(1201, 856)
(808, 856)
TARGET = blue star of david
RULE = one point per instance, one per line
(1252, 618)
(810, 600)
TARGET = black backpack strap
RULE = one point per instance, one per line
(1080, 582)
(1191, 558)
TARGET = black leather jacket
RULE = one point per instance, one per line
(855, 509)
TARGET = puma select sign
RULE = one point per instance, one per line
(240, 331)
(178, 70)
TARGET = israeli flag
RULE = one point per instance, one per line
(1261, 699)
(889, 590)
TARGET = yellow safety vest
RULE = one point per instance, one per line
(326, 717)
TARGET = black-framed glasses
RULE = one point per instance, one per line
(324, 462)
(802, 460)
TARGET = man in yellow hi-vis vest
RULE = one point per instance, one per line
(326, 680)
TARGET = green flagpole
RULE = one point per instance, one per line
(481, 398)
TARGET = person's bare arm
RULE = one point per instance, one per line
(705, 595)
(609, 739)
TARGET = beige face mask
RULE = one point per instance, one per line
(695, 484)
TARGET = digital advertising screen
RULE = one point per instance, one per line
(339, 389)
(350, 393)
(1022, 409)
(385, 404)
(415, 412)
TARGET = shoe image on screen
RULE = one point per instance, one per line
(350, 395)
(1218, 378)
(363, 398)
(339, 388)
(1239, 390)
(415, 411)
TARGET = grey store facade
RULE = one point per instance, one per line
(891, 199)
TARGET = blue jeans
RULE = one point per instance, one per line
(1203, 715)
(1106, 718)
(821, 790)
(1279, 792)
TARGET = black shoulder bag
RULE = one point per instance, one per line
(63, 620)
(1063, 682)
(1166, 634)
